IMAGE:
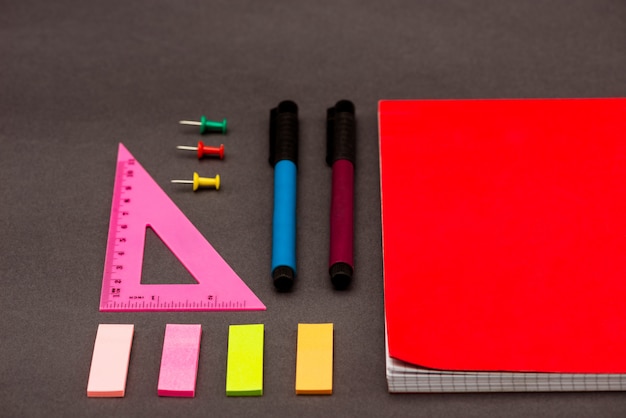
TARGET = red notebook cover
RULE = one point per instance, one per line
(504, 233)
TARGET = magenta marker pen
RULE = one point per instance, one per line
(340, 155)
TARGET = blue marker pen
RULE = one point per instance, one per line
(284, 157)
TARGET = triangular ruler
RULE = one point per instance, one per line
(139, 202)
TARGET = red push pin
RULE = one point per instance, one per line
(205, 150)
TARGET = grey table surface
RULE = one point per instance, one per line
(78, 77)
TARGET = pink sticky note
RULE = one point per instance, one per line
(179, 362)
(109, 364)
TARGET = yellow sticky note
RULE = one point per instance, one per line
(314, 363)
(244, 369)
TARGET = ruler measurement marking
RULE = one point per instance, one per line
(106, 286)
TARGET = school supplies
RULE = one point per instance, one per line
(138, 202)
(244, 369)
(341, 156)
(504, 244)
(206, 125)
(314, 360)
(201, 182)
(109, 363)
(284, 159)
(179, 360)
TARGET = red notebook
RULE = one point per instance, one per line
(504, 234)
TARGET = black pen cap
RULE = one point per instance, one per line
(341, 133)
(284, 132)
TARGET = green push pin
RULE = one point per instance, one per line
(207, 125)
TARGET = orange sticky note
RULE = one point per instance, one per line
(109, 364)
(314, 363)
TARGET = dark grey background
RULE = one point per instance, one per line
(77, 77)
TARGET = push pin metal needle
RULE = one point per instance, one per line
(207, 125)
(201, 182)
(205, 150)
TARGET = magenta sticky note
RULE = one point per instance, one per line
(179, 362)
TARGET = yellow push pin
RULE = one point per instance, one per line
(201, 182)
